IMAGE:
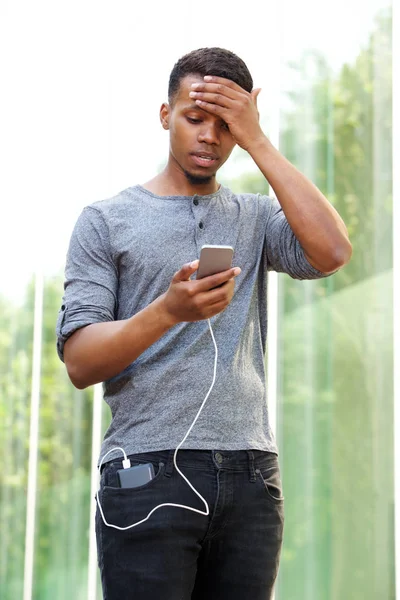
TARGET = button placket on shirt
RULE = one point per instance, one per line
(200, 223)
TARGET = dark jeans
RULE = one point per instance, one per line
(233, 553)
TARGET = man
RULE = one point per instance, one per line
(135, 318)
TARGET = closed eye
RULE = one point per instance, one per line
(195, 121)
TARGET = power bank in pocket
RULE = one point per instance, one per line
(135, 476)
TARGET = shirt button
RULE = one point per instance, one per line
(201, 225)
(196, 201)
(218, 458)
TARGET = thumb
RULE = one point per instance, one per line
(254, 95)
(186, 271)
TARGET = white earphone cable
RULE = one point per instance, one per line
(126, 461)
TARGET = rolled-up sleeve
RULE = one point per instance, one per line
(284, 252)
(91, 278)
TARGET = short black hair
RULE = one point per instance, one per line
(209, 61)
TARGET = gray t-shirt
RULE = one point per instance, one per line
(123, 254)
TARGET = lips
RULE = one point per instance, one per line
(206, 154)
(204, 159)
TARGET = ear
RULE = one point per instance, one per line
(164, 115)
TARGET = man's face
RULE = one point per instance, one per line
(195, 132)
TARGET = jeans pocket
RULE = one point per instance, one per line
(110, 475)
(124, 507)
(270, 476)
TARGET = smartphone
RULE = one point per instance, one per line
(214, 259)
(135, 476)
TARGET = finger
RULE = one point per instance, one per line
(212, 108)
(215, 309)
(224, 81)
(215, 296)
(213, 98)
(216, 88)
(254, 95)
(186, 271)
(207, 283)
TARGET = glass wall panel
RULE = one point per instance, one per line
(105, 423)
(63, 472)
(16, 331)
(335, 337)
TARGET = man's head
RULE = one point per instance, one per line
(194, 131)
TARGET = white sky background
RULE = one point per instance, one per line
(82, 84)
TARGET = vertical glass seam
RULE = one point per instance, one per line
(272, 299)
(273, 281)
(96, 444)
(396, 284)
(33, 438)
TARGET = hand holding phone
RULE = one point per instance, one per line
(209, 294)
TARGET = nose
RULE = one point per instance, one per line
(209, 134)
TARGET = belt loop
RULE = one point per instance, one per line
(170, 464)
(251, 465)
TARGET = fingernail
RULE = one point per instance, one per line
(194, 264)
(237, 271)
